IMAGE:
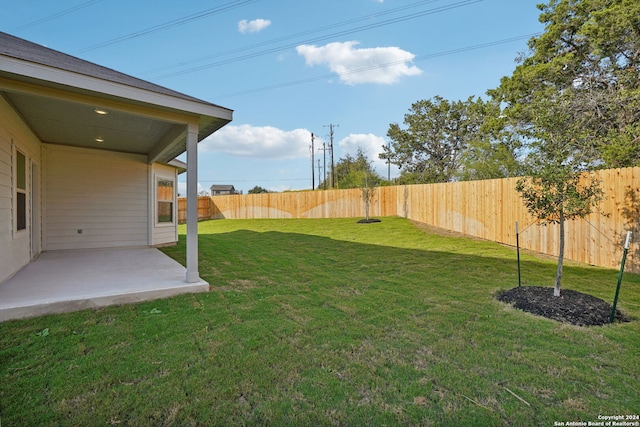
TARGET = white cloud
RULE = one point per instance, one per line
(259, 141)
(182, 187)
(372, 146)
(383, 65)
(254, 26)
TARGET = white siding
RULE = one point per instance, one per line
(94, 199)
(163, 234)
(5, 186)
(15, 246)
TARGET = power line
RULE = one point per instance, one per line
(174, 23)
(54, 16)
(294, 36)
(322, 38)
(374, 67)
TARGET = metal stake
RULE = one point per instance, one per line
(518, 252)
(624, 259)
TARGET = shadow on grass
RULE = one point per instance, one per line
(453, 268)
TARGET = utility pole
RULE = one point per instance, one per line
(324, 166)
(313, 175)
(318, 172)
(388, 162)
(324, 150)
(331, 126)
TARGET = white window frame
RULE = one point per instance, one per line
(157, 180)
(17, 190)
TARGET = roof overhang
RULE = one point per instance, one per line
(179, 165)
(68, 108)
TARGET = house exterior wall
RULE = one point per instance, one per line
(94, 198)
(163, 233)
(75, 198)
(17, 247)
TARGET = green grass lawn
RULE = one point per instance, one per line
(329, 322)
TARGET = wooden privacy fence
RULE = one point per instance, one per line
(486, 209)
(205, 209)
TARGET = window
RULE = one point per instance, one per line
(165, 200)
(21, 191)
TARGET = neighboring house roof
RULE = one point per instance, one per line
(222, 188)
(48, 87)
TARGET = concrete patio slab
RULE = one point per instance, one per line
(62, 281)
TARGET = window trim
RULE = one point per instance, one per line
(158, 200)
(20, 222)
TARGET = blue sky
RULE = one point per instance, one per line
(291, 67)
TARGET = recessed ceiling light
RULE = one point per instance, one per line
(99, 140)
(101, 112)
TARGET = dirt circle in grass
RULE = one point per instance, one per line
(571, 306)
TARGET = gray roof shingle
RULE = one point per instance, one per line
(222, 187)
(25, 50)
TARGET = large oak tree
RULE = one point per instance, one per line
(451, 140)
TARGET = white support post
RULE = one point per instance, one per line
(192, 204)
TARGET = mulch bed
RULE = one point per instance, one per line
(570, 307)
(369, 221)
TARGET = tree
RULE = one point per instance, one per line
(554, 194)
(584, 67)
(575, 102)
(358, 172)
(258, 190)
(350, 171)
(368, 191)
(446, 141)
(494, 150)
